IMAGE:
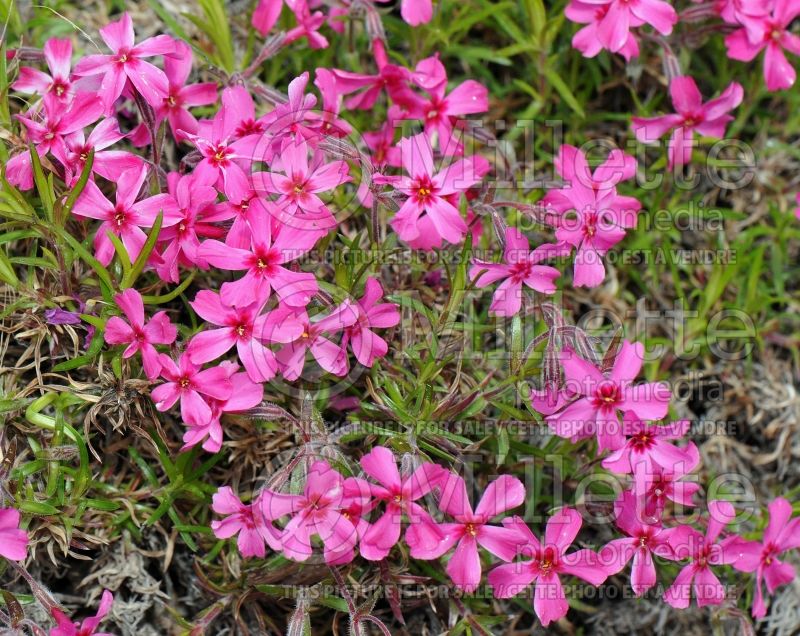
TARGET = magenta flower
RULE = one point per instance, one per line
(174, 104)
(242, 519)
(655, 484)
(547, 561)
(13, 540)
(781, 534)
(428, 191)
(616, 17)
(65, 627)
(391, 77)
(126, 217)
(709, 119)
(589, 40)
(442, 109)
(647, 445)
(520, 266)
(366, 344)
(61, 120)
(471, 529)
(58, 55)
(308, 25)
(109, 164)
(603, 396)
(400, 494)
(186, 382)
(318, 511)
(601, 215)
(769, 32)
(703, 552)
(245, 329)
(244, 206)
(299, 204)
(245, 395)
(195, 201)
(330, 356)
(138, 334)
(415, 12)
(264, 263)
(643, 541)
(266, 15)
(126, 64)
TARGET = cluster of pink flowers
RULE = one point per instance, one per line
(759, 25)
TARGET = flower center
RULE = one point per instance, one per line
(119, 217)
(470, 529)
(607, 395)
(184, 382)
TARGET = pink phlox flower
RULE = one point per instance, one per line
(266, 14)
(264, 262)
(781, 534)
(66, 627)
(647, 444)
(428, 190)
(299, 185)
(330, 123)
(601, 216)
(330, 356)
(544, 562)
(520, 266)
(654, 484)
(738, 12)
(708, 119)
(58, 56)
(371, 314)
(126, 64)
(109, 164)
(702, 552)
(769, 32)
(400, 494)
(174, 105)
(470, 529)
(308, 25)
(643, 540)
(185, 381)
(59, 120)
(294, 119)
(245, 395)
(139, 334)
(244, 205)
(246, 329)
(615, 18)
(13, 540)
(593, 38)
(127, 216)
(195, 201)
(601, 397)
(415, 12)
(317, 511)
(242, 520)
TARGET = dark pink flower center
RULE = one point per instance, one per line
(520, 271)
(423, 189)
(266, 262)
(120, 216)
(547, 560)
(641, 441)
(59, 87)
(607, 395)
(220, 156)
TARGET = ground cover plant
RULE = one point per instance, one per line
(443, 317)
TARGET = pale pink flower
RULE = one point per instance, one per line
(470, 529)
(66, 627)
(126, 217)
(643, 541)
(246, 329)
(330, 356)
(769, 32)
(188, 383)
(781, 534)
(702, 552)
(126, 64)
(708, 119)
(366, 344)
(243, 520)
(318, 511)
(546, 561)
(602, 396)
(139, 334)
(58, 55)
(520, 266)
(13, 540)
(400, 494)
